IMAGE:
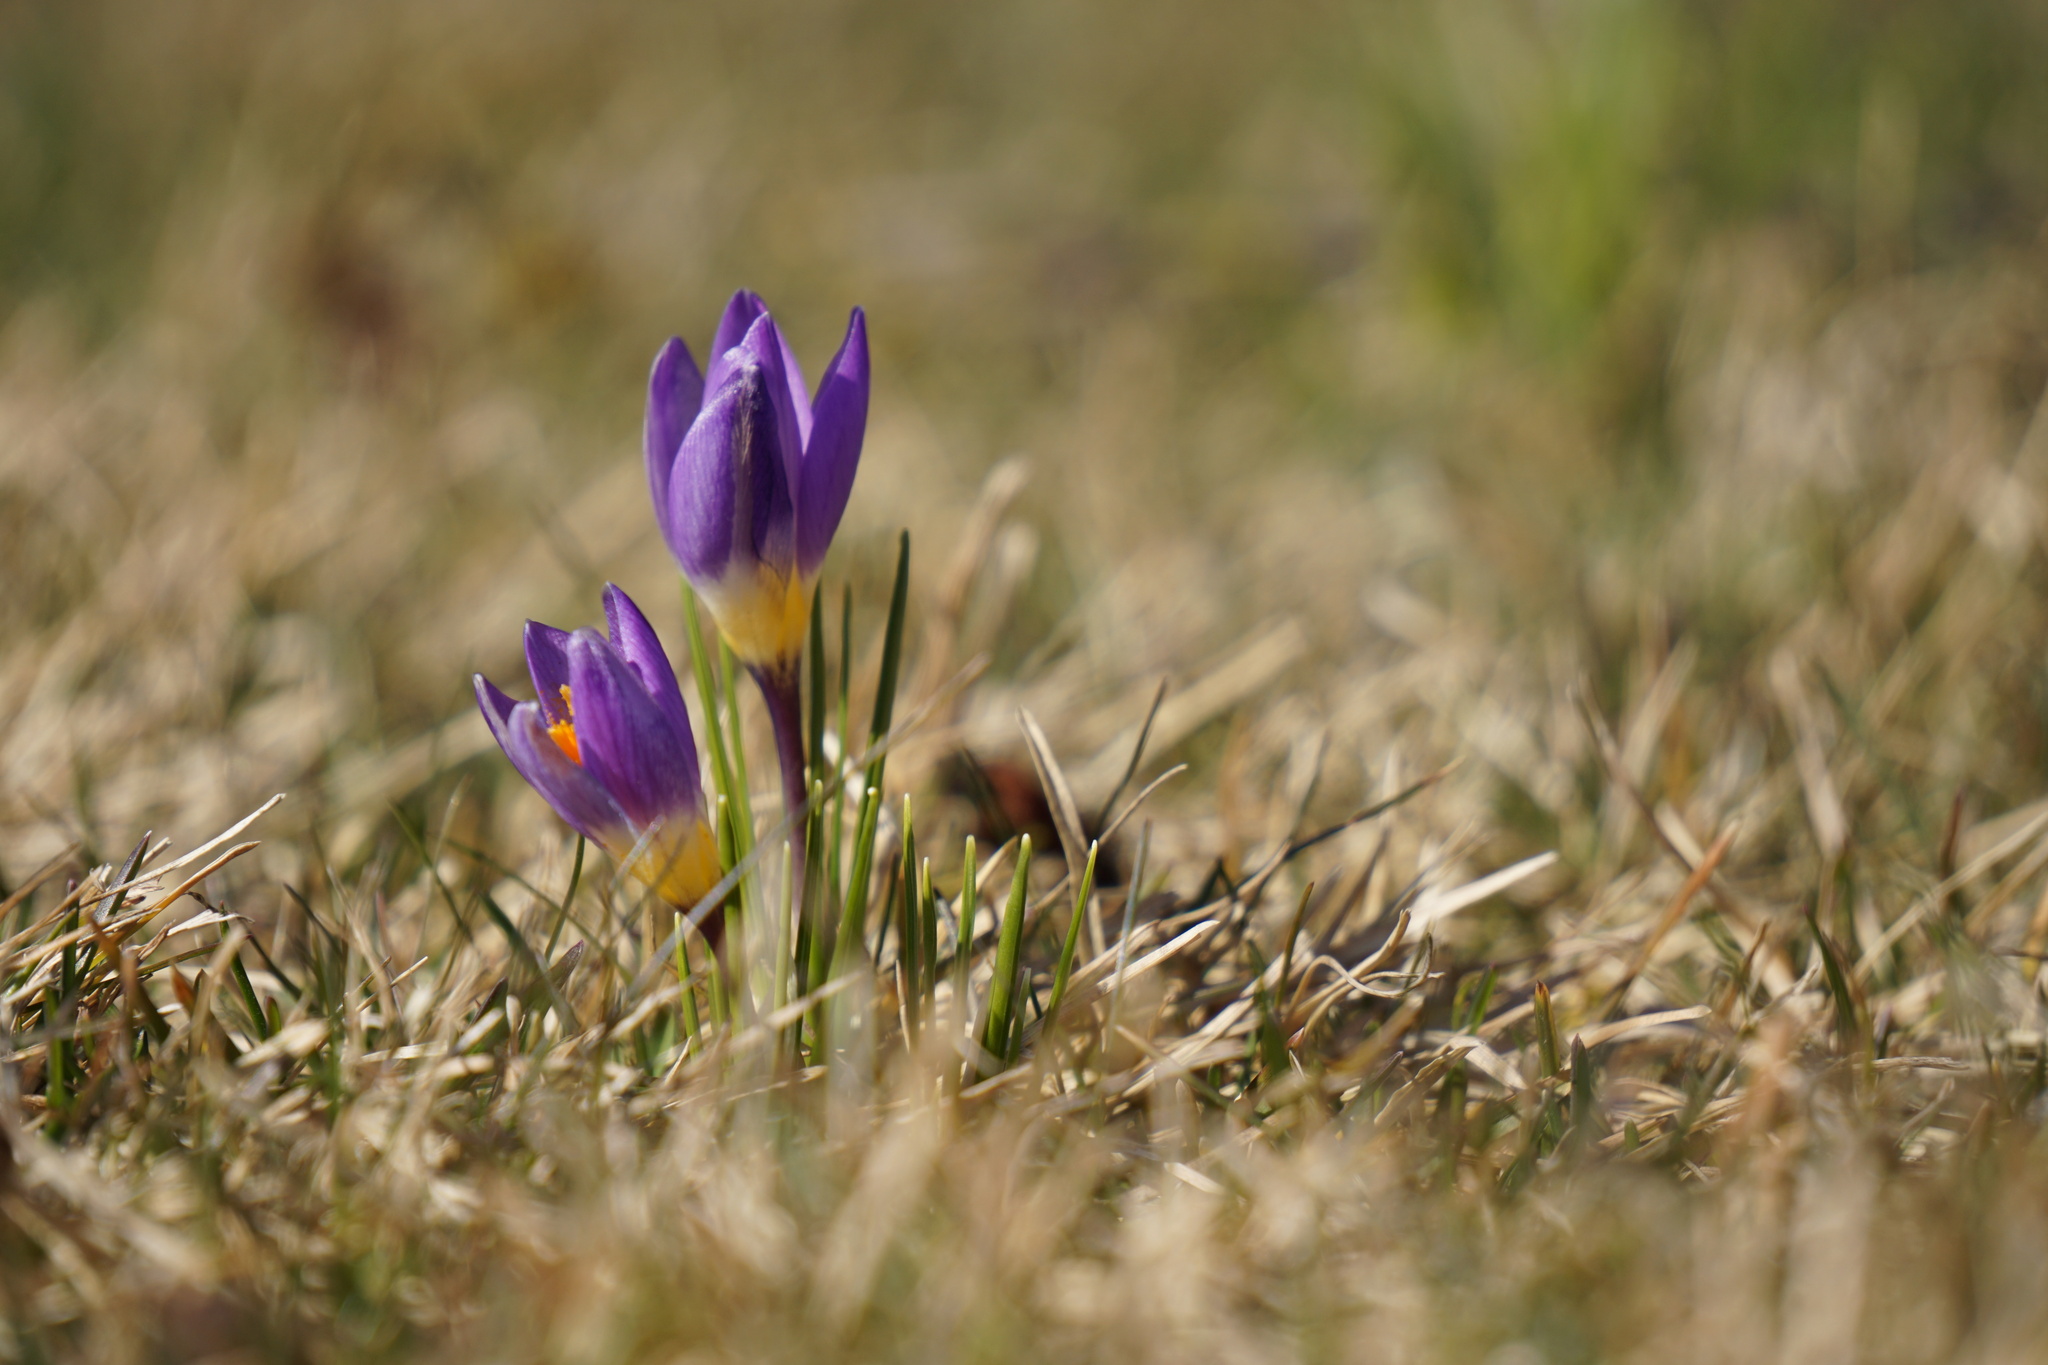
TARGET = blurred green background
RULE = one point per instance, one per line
(323, 327)
(538, 192)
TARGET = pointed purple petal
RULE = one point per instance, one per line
(641, 648)
(729, 502)
(573, 792)
(575, 795)
(799, 396)
(764, 346)
(548, 662)
(627, 742)
(496, 706)
(740, 314)
(833, 453)
(775, 518)
(705, 492)
(675, 390)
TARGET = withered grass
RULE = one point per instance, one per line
(1592, 905)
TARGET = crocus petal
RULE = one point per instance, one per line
(704, 491)
(628, 744)
(641, 648)
(574, 793)
(833, 453)
(729, 504)
(799, 396)
(765, 347)
(548, 661)
(741, 312)
(496, 706)
(675, 390)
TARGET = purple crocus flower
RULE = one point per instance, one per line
(750, 475)
(608, 743)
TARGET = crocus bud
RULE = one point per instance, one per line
(750, 475)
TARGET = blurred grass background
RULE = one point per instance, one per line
(1586, 328)
(324, 329)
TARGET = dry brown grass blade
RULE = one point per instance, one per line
(1066, 815)
(1643, 730)
(1939, 893)
(1377, 1047)
(1746, 917)
(1057, 892)
(1674, 914)
(1641, 1023)
(1823, 801)
(197, 1031)
(1135, 969)
(1433, 904)
(1058, 794)
(170, 898)
(1137, 757)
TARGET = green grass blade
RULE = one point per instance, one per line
(853, 920)
(963, 919)
(1293, 936)
(810, 929)
(1477, 1001)
(928, 919)
(836, 871)
(1849, 1026)
(568, 898)
(1002, 990)
(853, 923)
(1132, 894)
(291, 987)
(707, 696)
(834, 889)
(56, 1085)
(258, 1020)
(1065, 968)
(1547, 1050)
(817, 675)
(113, 908)
(814, 947)
(693, 1027)
(1585, 1104)
(1450, 1115)
(783, 958)
(892, 658)
(736, 747)
(910, 934)
(845, 663)
(717, 1001)
(524, 952)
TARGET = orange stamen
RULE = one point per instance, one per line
(563, 732)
